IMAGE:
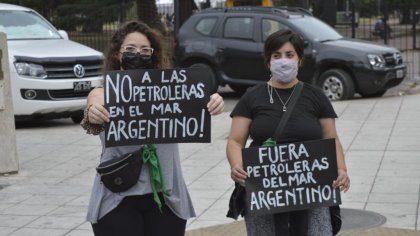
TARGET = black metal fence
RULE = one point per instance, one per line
(403, 36)
(398, 28)
(388, 27)
(96, 40)
(100, 40)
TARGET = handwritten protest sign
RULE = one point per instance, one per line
(290, 177)
(157, 106)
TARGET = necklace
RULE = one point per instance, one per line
(270, 93)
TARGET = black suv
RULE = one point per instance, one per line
(230, 43)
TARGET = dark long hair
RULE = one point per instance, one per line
(277, 39)
(159, 60)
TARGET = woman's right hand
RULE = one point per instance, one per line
(238, 174)
(97, 114)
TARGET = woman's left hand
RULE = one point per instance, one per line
(216, 104)
(342, 181)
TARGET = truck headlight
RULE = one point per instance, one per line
(30, 70)
(376, 60)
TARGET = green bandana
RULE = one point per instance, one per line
(156, 179)
(269, 142)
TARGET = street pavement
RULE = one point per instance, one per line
(50, 193)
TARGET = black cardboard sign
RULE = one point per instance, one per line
(290, 177)
(157, 106)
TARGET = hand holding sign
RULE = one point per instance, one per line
(157, 106)
(216, 104)
(342, 181)
(238, 174)
(97, 114)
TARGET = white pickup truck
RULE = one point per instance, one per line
(50, 75)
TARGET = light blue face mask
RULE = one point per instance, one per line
(283, 70)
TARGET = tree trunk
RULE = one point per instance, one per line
(186, 8)
(406, 12)
(147, 12)
(405, 19)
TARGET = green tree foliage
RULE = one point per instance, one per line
(405, 8)
(371, 8)
(89, 15)
(45, 7)
(86, 15)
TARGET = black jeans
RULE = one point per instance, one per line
(293, 223)
(140, 216)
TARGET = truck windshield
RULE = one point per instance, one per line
(26, 25)
(315, 29)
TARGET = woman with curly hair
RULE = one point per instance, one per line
(141, 210)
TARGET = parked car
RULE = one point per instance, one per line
(230, 43)
(50, 75)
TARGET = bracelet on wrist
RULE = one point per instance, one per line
(90, 128)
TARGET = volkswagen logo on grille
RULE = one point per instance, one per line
(79, 71)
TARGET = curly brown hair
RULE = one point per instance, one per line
(159, 60)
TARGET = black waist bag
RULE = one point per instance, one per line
(120, 174)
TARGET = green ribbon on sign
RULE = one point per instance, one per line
(270, 142)
(156, 179)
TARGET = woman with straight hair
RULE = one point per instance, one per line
(257, 115)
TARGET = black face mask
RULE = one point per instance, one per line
(132, 61)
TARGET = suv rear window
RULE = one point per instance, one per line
(239, 28)
(270, 26)
(206, 25)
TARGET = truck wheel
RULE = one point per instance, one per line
(214, 83)
(336, 84)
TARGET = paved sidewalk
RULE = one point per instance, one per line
(381, 138)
